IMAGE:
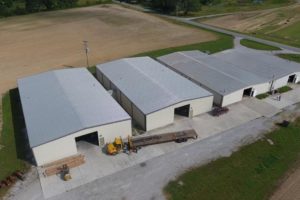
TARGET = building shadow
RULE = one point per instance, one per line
(23, 149)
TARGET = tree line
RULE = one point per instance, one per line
(18, 7)
(37, 5)
(178, 6)
(183, 7)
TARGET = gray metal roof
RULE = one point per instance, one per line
(260, 63)
(227, 68)
(62, 102)
(206, 71)
(150, 85)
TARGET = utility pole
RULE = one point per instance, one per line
(272, 85)
(86, 48)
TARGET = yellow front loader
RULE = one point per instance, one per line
(115, 147)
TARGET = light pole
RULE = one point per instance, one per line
(86, 48)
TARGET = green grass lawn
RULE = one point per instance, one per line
(284, 89)
(256, 45)
(289, 35)
(252, 173)
(92, 69)
(262, 96)
(291, 57)
(13, 138)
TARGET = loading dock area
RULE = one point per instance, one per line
(65, 107)
(249, 92)
(99, 165)
(293, 78)
(151, 93)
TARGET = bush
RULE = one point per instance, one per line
(20, 11)
(284, 89)
(262, 96)
(176, 6)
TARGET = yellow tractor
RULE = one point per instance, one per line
(115, 147)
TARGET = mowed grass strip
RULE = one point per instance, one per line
(262, 96)
(13, 138)
(256, 45)
(284, 89)
(287, 35)
(251, 173)
(291, 57)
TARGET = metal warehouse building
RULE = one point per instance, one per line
(228, 82)
(277, 71)
(64, 106)
(151, 93)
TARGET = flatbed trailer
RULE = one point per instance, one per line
(181, 136)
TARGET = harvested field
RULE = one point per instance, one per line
(280, 24)
(289, 189)
(51, 40)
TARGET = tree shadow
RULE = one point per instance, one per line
(23, 149)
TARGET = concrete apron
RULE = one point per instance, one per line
(99, 165)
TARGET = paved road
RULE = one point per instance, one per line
(239, 35)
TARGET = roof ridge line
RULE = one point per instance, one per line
(68, 98)
(213, 68)
(225, 61)
(153, 80)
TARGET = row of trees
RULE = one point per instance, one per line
(186, 6)
(178, 6)
(13, 7)
(36, 5)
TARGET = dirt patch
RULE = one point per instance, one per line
(51, 40)
(289, 189)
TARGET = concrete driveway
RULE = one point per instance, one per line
(287, 99)
(99, 165)
(145, 181)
